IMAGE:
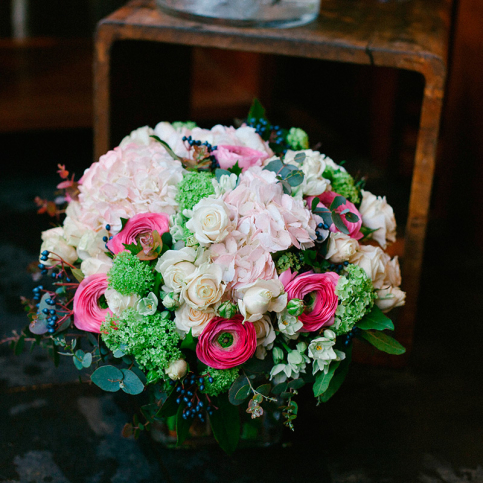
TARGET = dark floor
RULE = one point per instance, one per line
(422, 424)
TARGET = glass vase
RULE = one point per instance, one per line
(244, 13)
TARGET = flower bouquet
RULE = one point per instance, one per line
(216, 268)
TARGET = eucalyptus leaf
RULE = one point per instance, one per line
(243, 393)
(225, 422)
(169, 408)
(300, 157)
(264, 389)
(221, 172)
(337, 201)
(108, 378)
(279, 388)
(351, 217)
(287, 189)
(315, 202)
(118, 354)
(131, 384)
(240, 382)
(64, 326)
(325, 214)
(337, 219)
(19, 345)
(376, 320)
(78, 358)
(295, 178)
(87, 360)
(383, 342)
(276, 166)
(322, 380)
(296, 384)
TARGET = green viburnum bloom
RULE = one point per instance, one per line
(222, 380)
(356, 294)
(151, 339)
(178, 125)
(343, 184)
(194, 187)
(148, 305)
(130, 275)
(288, 260)
(297, 139)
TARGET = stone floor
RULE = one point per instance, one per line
(422, 424)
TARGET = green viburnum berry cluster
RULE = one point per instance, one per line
(343, 184)
(357, 295)
(288, 260)
(222, 380)
(297, 139)
(152, 339)
(130, 275)
(194, 187)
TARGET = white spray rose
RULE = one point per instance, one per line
(388, 298)
(265, 336)
(204, 287)
(187, 318)
(175, 266)
(257, 298)
(211, 221)
(118, 303)
(378, 215)
(341, 247)
(100, 264)
(177, 369)
(53, 241)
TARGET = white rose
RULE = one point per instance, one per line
(92, 244)
(211, 221)
(140, 136)
(373, 261)
(341, 247)
(259, 297)
(187, 318)
(177, 369)
(175, 266)
(378, 215)
(388, 298)
(54, 241)
(204, 287)
(100, 264)
(118, 303)
(265, 336)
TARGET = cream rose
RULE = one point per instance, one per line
(175, 266)
(341, 247)
(388, 298)
(373, 261)
(177, 369)
(118, 303)
(211, 221)
(204, 287)
(53, 241)
(187, 318)
(259, 297)
(378, 215)
(265, 336)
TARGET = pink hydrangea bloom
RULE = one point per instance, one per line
(140, 224)
(275, 219)
(126, 181)
(224, 343)
(88, 315)
(321, 301)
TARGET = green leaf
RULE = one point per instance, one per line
(225, 422)
(315, 202)
(235, 169)
(87, 360)
(189, 342)
(322, 380)
(149, 411)
(337, 219)
(339, 376)
(77, 272)
(157, 282)
(240, 382)
(325, 214)
(276, 166)
(182, 426)
(134, 248)
(64, 326)
(123, 223)
(337, 201)
(383, 342)
(221, 172)
(376, 320)
(131, 384)
(108, 378)
(351, 217)
(258, 366)
(300, 158)
(169, 408)
(279, 388)
(287, 189)
(78, 358)
(118, 354)
(243, 393)
(166, 146)
(296, 384)
(257, 111)
(19, 345)
(295, 178)
(167, 239)
(264, 389)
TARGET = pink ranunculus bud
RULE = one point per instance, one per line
(226, 343)
(227, 156)
(140, 224)
(317, 290)
(88, 315)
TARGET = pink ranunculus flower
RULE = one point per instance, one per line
(140, 224)
(318, 292)
(226, 343)
(227, 156)
(354, 228)
(88, 315)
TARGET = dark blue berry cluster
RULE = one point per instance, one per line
(105, 239)
(209, 148)
(350, 335)
(269, 132)
(321, 226)
(338, 267)
(188, 394)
